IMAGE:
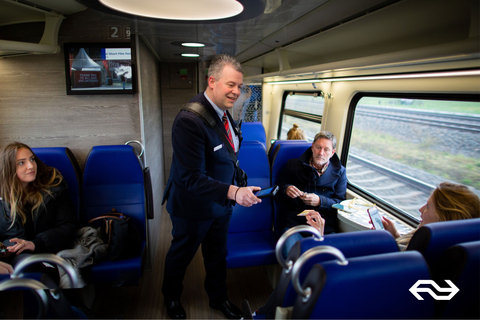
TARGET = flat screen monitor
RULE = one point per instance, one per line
(99, 68)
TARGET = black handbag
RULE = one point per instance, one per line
(121, 235)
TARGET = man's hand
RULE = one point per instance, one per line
(244, 196)
(293, 192)
(310, 199)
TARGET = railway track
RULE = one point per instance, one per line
(392, 186)
(454, 121)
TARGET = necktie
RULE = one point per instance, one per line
(227, 128)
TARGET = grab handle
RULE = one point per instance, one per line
(48, 258)
(139, 143)
(305, 293)
(281, 242)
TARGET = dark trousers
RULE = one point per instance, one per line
(187, 236)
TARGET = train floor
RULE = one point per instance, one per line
(146, 300)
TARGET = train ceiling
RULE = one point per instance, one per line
(275, 36)
(264, 25)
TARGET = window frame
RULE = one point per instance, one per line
(298, 114)
(349, 129)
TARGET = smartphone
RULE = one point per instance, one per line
(343, 208)
(267, 193)
(376, 219)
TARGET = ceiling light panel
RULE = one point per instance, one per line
(178, 9)
(193, 45)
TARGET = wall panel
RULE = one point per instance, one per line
(36, 110)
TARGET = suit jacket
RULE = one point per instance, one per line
(202, 169)
(331, 187)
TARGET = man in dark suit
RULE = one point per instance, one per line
(201, 190)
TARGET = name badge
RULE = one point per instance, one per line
(220, 146)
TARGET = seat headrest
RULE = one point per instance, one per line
(368, 287)
(434, 238)
(113, 164)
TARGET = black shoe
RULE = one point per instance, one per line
(175, 309)
(228, 309)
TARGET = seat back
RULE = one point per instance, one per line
(358, 289)
(254, 131)
(352, 244)
(461, 265)
(64, 161)
(273, 147)
(113, 178)
(253, 160)
(251, 239)
(284, 151)
(433, 239)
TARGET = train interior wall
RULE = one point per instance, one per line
(36, 110)
(179, 82)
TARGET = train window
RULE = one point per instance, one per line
(304, 109)
(400, 149)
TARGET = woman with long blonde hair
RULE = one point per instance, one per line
(449, 201)
(36, 213)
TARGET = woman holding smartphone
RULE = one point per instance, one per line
(36, 214)
(449, 201)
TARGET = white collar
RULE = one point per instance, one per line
(215, 107)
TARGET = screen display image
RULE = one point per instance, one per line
(99, 68)
(376, 219)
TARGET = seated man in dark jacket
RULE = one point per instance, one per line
(315, 181)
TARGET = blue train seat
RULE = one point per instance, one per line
(461, 265)
(251, 240)
(114, 178)
(285, 150)
(254, 131)
(433, 239)
(63, 159)
(273, 148)
(367, 287)
(353, 244)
